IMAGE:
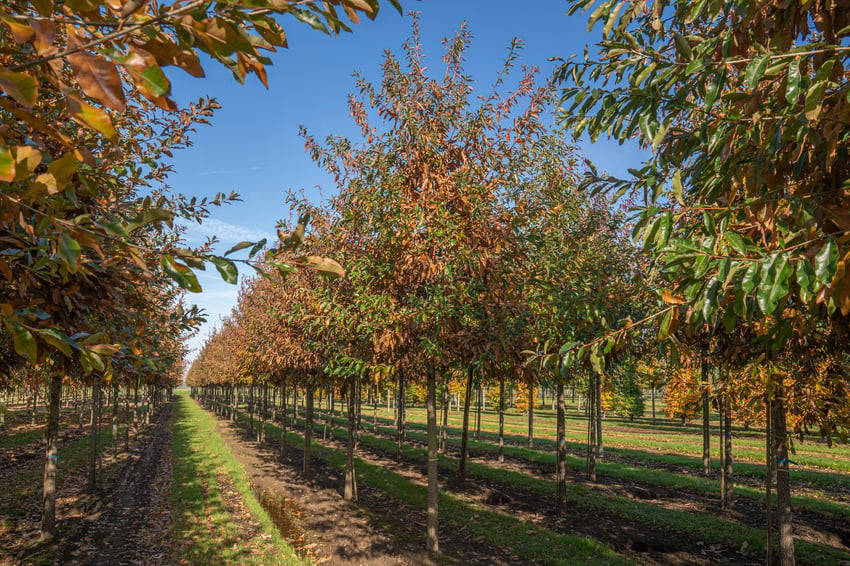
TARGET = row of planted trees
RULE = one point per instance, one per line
(91, 257)
(469, 248)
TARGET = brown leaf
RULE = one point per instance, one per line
(45, 35)
(97, 77)
(167, 53)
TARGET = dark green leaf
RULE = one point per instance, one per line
(227, 269)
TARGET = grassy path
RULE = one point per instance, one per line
(215, 517)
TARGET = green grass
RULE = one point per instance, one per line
(708, 528)
(202, 527)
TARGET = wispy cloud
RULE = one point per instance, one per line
(232, 171)
(226, 232)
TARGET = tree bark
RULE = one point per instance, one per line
(350, 489)
(48, 517)
(729, 487)
(768, 443)
(444, 428)
(591, 428)
(501, 418)
(706, 430)
(478, 412)
(600, 446)
(530, 414)
(431, 541)
(652, 393)
(400, 411)
(464, 433)
(308, 431)
(561, 499)
(783, 484)
(283, 417)
(95, 429)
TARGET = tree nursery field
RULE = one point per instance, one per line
(479, 347)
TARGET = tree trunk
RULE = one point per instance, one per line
(729, 487)
(48, 517)
(591, 428)
(652, 393)
(783, 484)
(706, 430)
(501, 418)
(114, 418)
(444, 428)
(600, 446)
(768, 444)
(478, 412)
(308, 431)
(431, 541)
(283, 417)
(400, 411)
(350, 489)
(95, 429)
(464, 433)
(561, 499)
(530, 414)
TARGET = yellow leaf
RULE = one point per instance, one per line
(87, 115)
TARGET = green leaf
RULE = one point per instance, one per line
(20, 86)
(683, 47)
(792, 89)
(751, 277)
(237, 247)
(755, 70)
(736, 241)
(774, 287)
(70, 251)
(24, 342)
(150, 216)
(227, 269)
(180, 273)
(826, 262)
(815, 92)
(678, 188)
(58, 341)
(7, 165)
(806, 279)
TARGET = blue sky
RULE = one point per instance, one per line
(253, 147)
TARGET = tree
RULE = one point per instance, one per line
(744, 106)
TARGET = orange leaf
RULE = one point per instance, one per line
(668, 297)
(167, 53)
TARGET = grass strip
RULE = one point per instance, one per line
(202, 527)
(529, 542)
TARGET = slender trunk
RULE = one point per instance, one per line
(561, 500)
(400, 410)
(358, 411)
(283, 417)
(501, 418)
(652, 393)
(530, 414)
(126, 419)
(591, 428)
(706, 430)
(600, 446)
(478, 412)
(350, 489)
(432, 543)
(48, 517)
(768, 443)
(464, 433)
(95, 419)
(783, 484)
(308, 431)
(729, 488)
(444, 427)
(114, 418)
